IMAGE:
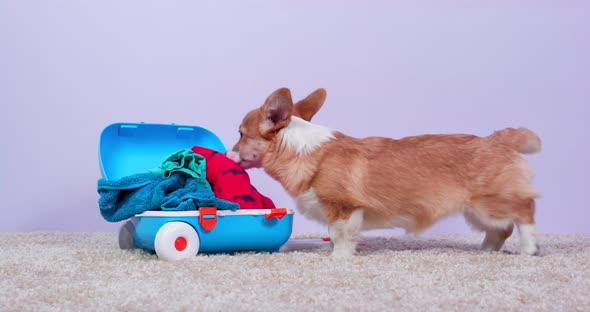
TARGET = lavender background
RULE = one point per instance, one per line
(391, 68)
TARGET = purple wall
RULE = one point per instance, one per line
(69, 68)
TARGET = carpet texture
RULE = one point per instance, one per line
(88, 272)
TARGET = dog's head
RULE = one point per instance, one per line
(262, 125)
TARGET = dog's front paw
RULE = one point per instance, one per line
(342, 252)
(531, 250)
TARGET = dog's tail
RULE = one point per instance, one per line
(522, 140)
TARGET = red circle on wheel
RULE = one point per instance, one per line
(180, 243)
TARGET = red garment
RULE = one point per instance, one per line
(230, 182)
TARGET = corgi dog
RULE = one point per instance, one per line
(354, 184)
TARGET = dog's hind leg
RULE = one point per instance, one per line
(497, 229)
(527, 228)
(495, 238)
(496, 213)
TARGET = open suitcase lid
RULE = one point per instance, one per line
(129, 148)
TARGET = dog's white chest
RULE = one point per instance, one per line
(309, 205)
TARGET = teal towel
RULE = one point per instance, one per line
(184, 161)
(131, 195)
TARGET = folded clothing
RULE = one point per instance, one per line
(122, 199)
(230, 182)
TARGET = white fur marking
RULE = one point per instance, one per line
(235, 156)
(309, 205)
(481, 221)
(304, 136)
(528, 240)
(345, 233)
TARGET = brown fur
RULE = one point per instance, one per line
(420, 179)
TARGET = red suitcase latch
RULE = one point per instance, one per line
(276, 213)
(208, 217)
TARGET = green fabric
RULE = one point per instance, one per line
(184, 161)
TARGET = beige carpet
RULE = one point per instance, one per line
(88, 272)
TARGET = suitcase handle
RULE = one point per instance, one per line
(276, 213)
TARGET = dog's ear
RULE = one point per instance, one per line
(310, 105)
(276, 111)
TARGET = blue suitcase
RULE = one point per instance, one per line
(129, 148)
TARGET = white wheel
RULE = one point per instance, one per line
(176, 241)
(126, 235)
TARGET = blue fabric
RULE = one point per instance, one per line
(131, 195)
